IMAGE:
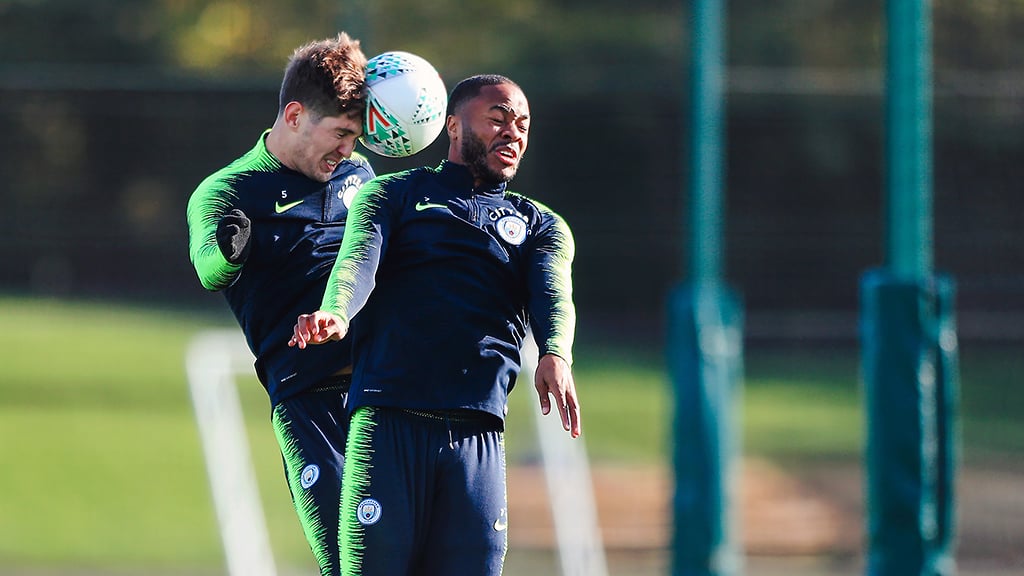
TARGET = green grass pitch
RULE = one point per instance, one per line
(101, 466)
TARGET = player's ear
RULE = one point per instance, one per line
(453, 126)
(292, 111)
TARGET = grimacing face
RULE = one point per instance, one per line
(495, 133)
(320, 145)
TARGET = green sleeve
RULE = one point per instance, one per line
(207, 205)
(549, 280)
(366, 232)
(214, 198)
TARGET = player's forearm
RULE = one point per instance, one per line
(552, 312)
(353, 276)
(206, 207)
(213, 270)
(554, 328)
(349, 286)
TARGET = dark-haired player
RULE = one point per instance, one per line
(441, 271)
(265, 230)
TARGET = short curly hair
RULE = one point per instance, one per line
(470, 88)
(326, 76)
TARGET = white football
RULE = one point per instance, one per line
(405, 104)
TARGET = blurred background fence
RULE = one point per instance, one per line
(112, 113)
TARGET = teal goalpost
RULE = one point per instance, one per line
(907, 334)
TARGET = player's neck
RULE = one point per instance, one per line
(277, 146)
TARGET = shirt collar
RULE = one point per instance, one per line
(459, 177)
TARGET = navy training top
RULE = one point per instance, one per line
(440, 281)
(297, 228)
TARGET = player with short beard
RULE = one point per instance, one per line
(474, 154)
(265, 231)
(441, 271)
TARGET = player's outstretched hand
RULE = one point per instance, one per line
(233, 233)
(554, 379)
(317, 328)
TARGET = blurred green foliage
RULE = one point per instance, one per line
(223, 35)
(231, 36)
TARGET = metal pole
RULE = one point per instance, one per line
(909, 344)
(705, 335)
(909, 142)
(706, 137)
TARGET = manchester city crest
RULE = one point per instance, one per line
(512, 229)
(369, 512)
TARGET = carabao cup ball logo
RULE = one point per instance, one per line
(384, 133)
(405, 104)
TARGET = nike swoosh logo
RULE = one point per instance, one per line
(421, 206)
(282, 208)
(500, 525)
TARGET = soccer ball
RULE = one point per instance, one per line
(405, 104)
